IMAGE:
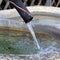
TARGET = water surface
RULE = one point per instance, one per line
(12, 42)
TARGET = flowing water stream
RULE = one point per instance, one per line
(33, 34)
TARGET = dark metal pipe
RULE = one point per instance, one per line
(22, 10)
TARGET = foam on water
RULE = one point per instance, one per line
(49, 49)
(33, 34)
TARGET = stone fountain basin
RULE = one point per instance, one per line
(46, 20)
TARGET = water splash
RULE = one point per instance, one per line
(33, 34)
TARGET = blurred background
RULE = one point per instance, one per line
(55, 3)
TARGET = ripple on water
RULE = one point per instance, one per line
(23, 43)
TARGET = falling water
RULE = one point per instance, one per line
(33, 34)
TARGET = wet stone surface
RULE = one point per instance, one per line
(50, 56)
(19, 57)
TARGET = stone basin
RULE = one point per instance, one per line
(46, 24)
